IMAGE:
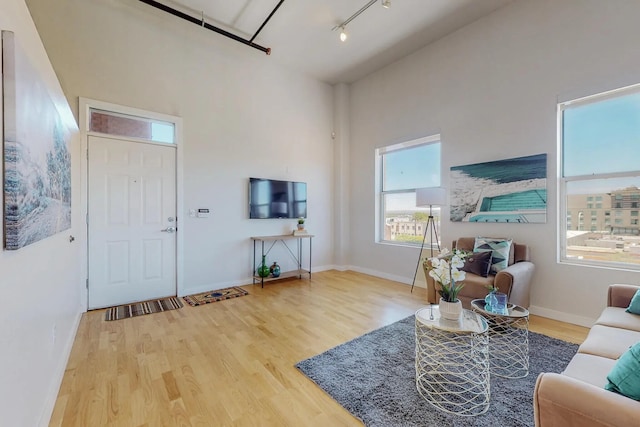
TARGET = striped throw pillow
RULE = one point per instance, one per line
(499, 249)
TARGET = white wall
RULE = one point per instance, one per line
(491, 90)
(40, 283)
(244, 116)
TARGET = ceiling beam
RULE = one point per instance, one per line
(201, 22)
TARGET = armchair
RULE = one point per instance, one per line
(515, 280)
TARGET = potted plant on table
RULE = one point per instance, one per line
(445, 270)
(300, 223)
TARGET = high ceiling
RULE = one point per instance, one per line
(300, 32)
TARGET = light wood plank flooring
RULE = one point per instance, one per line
(231, 363)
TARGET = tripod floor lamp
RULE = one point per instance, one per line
(430, 196)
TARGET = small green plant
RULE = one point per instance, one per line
(300, 220)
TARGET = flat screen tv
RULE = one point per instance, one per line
(269, 198)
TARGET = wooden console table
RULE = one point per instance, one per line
(297, 255)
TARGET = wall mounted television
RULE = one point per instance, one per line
(269, 198)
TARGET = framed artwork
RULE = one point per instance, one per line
(37, 162)
(511, 190)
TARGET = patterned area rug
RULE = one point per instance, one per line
(214, 296)
(373, 377)
(142, 308)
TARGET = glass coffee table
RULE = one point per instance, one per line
(508, 339)
(452, 361)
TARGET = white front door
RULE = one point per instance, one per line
(131, 221)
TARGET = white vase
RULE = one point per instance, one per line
(450, 310)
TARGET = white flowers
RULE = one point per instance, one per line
(444, 269)
(446, 266)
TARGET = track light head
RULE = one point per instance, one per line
(343, 34)
(386, 3)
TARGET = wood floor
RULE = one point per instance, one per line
(231, 363)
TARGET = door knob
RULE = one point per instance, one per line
(169, 230)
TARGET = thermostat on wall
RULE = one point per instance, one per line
(203, 213)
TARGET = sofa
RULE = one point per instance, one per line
(576, 397)
(515, 280)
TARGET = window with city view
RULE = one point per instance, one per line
(403, 168)
(600, 179)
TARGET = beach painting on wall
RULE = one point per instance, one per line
(37, 162)
(511, 190)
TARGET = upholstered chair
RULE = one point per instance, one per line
(514, 280)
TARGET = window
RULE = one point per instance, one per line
(112, 123)
(599, 141)
(401, 169)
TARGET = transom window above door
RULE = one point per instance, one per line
(111, 123)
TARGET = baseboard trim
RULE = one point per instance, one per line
(52, 396)
(243, 282)
(562, 316)
(401, 279)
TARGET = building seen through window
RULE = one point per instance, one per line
(600, 179)
(403, 168)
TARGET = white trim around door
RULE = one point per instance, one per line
(85, 106)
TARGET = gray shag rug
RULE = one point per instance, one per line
(373, 377)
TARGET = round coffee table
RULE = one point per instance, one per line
(452, 361)
(508, 339)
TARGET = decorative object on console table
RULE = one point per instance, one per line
(431, 196)
(300, 231)
(295, 252)
(263, 270)
(275, 270)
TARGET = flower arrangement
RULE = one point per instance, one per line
(444, 269)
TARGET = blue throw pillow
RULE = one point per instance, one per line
(624, 378)
(634, 305)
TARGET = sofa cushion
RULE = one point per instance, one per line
(607, 341)
(624, 378)
(478, 263)
(590, 368)
(500, 250)
(634, 305)
(618, 318)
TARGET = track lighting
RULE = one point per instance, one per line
(343, 34)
